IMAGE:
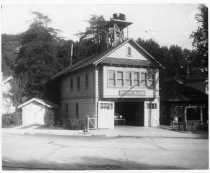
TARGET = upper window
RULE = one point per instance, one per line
(129, 51)
(71, 84)
(78, 83)
(143, 79)
(119, 78)
(111, 81)
(128, 79)
(136, 78)
(151, 106)
(151, 80)
(86, 81)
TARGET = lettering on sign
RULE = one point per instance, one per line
(132, 92)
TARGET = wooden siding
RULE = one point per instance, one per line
(86, 107)
(85, 97)
(122, 53)
(84, 93)
(113, 92)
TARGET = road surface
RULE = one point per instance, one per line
(102, 153)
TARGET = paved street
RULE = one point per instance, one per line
(85, 153)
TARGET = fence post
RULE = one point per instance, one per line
(87, 123)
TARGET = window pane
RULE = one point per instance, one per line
(119, 75)
(128, 75)
(143, 79)
(111, 74)
(120, 82)
(111, 82)
(129, 51)
(136, 76)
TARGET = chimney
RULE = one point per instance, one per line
(71, 55)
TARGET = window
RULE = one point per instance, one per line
(128, 80)
(151, 80)
(66, 109)
(143, 79)
(128, 51)
(111, 81)
(119, 78)
(151, 106)
(86, 81)
(78, 83)
(106, 106)
(77, 109)
(71, 84)
(136, 78)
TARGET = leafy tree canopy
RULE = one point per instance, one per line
(200, 38)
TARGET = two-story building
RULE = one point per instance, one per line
(123, 80)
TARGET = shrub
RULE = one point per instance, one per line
(5, 120)
(73, 123)
(49, 118)
(13, 119)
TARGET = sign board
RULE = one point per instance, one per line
(132, 92)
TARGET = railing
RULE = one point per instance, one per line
(92, 122)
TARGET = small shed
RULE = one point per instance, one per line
(34, 111)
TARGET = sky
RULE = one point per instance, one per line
(167, 24)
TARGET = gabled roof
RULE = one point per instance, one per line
(100, 58)
(43, 102)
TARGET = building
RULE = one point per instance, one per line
(182, 103)
(123, 80)
(35, 110)
(7, 103)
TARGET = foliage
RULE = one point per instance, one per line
(37, 55)
(18, 85)
(93, 40)
(73, 123)
(200, 38)
(10, 45)
(13, 119)
(172, 58)
(49, 118)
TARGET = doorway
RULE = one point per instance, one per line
(132, 112)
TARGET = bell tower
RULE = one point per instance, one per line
(115, 29)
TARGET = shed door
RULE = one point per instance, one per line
(105, 114)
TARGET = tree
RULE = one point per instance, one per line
(37, 56)
(93, 40)
(18, 85)
(200, 39)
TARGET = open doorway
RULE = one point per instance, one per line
(132, 112)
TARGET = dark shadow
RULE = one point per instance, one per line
(87, 163)
(199, 134)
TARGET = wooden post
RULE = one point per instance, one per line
(185, 117)
(87, 123)
(201, 114)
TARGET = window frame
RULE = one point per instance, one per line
(86, 81)
(114, 79)
(71, 84)
(78, 83)
(129, 52)
(143, 81)
(120, 79)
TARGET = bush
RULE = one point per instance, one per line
(13, 119)
(73, 123)
(49, 118)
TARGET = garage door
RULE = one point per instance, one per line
(105, 114)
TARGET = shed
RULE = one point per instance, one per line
(34, 111)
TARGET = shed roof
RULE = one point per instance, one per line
(100, 58)
(174, 91)
(43, 102)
